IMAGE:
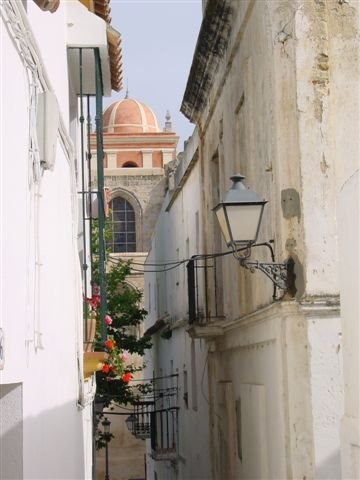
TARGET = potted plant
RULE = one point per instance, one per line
(91, 306)
(114, 366)
(93, 362)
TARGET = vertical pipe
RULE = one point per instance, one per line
(215, 287)
(197, 290)
(167, 430)
(191, 291)
(161, 430)
(83, 198)
(107, 459)
(89, 156)
(100, 193)
(207, 313)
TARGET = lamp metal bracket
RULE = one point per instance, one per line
(280, 273)
(277, 272)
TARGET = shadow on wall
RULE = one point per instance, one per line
(48, 446)
(152, 211)
(126, 453)
(329, 468)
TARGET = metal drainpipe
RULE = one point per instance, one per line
(83, 197)
(100, 192)
(89, 188)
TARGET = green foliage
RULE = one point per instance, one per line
(124, 307)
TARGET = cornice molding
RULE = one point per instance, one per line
(210, 48)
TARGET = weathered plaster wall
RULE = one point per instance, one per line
(276, 111)
(271, 115)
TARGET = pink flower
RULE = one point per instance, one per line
(124, 357)
(108, 320)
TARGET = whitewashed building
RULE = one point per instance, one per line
(273, 91)
(46, 425)
(176, 362)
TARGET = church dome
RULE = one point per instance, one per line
(129, 116)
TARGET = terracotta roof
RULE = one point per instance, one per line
(129, 116)
(102, 9)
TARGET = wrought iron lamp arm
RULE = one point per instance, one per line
(280, 273)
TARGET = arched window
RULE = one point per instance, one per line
(129, 165)
(123, 227)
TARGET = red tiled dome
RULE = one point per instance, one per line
(129, 116)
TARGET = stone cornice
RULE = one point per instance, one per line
(137, 140)
(210, 48)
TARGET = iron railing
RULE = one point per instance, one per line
(204, 289)
(155, 416)
(86, 192)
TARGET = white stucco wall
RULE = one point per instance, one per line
(277, 111)
(350, 303)
(41, 296)
(175, 239)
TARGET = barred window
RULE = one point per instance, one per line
(123, 227)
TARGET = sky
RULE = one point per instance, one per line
(158, 43)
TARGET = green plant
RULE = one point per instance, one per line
(124, 315)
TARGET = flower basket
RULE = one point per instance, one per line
(89, 334)
(93, 362)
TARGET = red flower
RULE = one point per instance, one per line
(105, 368)
(109, 344)
(94, 301)
(126, 377)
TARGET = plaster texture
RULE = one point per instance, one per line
(165, 297)
(46, 413)
(274, 95)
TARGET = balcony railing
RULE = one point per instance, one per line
(164, 433)
(155, 416)
(86, 193)
(204, 275)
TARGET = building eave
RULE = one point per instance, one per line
(101, 8)
(210, 48)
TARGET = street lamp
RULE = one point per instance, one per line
(239, 216)
(130, 423)
(106, 424)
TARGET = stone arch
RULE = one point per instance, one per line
(134, 202)
(129, 165)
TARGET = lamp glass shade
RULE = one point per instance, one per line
(239, 214)
(106, 425)
(224, 226)
(130, 422)
(243, 222)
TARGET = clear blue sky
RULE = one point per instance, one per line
(158, 42)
